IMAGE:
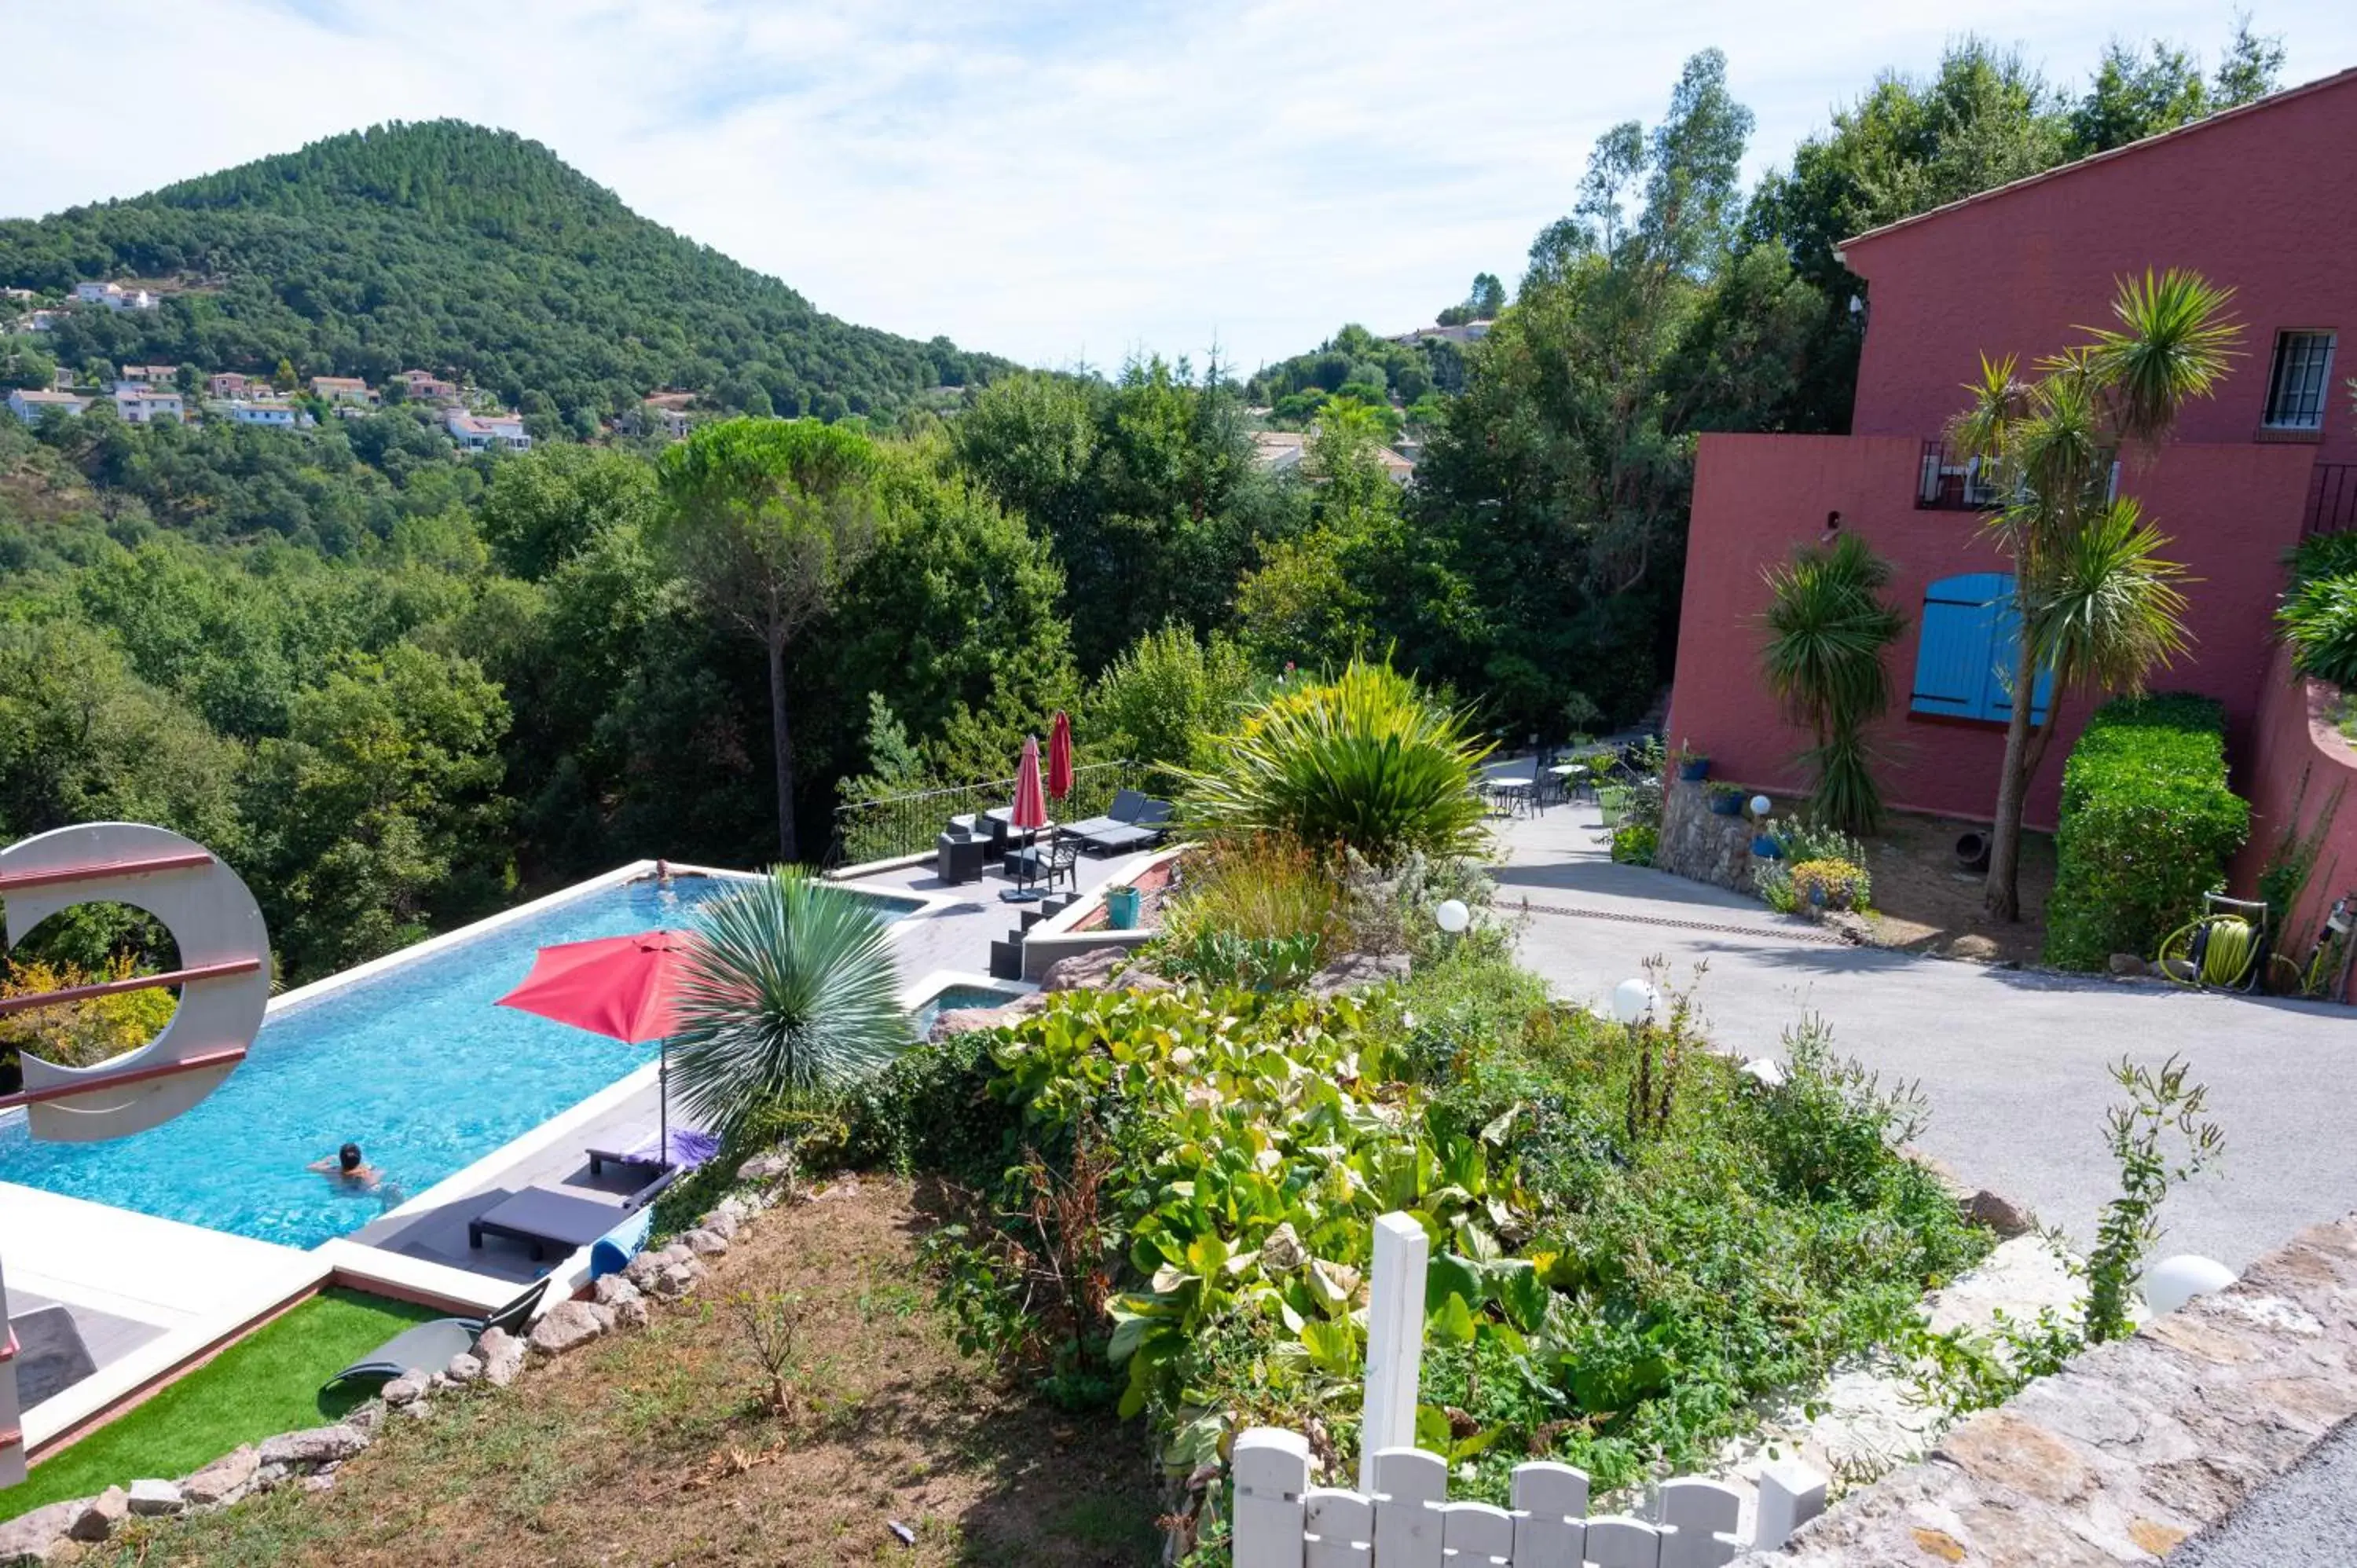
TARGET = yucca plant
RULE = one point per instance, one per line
(1828, 626)
(1365, 761)
(787, 990)
(2097, 604)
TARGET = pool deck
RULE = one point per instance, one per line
(153, 1295)
(149, 1294)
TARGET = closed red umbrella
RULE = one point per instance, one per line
(624, 988)
(1030, 799)
(1060, 757)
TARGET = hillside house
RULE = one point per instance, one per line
(142, 404)
(341, 389)
(667, 419)
(1282, 451)
(115, 296)
(483, 433)
(31, 405)
(2241, 198)
(150, 375)
(424, 386)
(266, 411)
(228, 383)
(38, 321)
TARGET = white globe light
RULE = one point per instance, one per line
(2172, 1282)
(1453, 916)
(1760, 804)
(1633, 1001)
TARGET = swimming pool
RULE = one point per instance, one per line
(950, 998)
(414, 1063)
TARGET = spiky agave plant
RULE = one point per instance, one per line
(787, 990)
(1365, 761)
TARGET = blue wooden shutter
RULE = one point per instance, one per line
(1965, 656)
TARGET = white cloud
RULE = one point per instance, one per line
(1042, 181)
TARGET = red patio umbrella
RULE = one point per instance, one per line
(1031, 811)
(624, 988)
(1060, 757)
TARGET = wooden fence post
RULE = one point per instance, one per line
(1272, 1472)
(1790, 1495)
(1395, 1341)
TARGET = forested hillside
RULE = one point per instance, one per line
(394, 683)
(451, 248)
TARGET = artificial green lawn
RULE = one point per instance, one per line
(259, 1387)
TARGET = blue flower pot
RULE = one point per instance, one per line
(1766, 848)
(1121, 908)
(1727, 805)
(1695, 770)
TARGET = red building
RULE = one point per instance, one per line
(2258, 199)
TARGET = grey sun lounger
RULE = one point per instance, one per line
(1122, 812)
(429, 1347)
(540, 1218)
(1145, 829)
(51, 1357)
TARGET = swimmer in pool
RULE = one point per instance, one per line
(349, 1168)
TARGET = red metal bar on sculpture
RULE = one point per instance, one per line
(228, 1056)
(136, 982)
(13, 881)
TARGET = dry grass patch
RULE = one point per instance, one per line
(664, 1448)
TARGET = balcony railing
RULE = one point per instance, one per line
(1951, 482)
(895, 825)
(1948, 481)
(2332, 498)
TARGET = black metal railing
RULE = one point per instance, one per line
(2332, 498)
(1949, 481)
(895, 825)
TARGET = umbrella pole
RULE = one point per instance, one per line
(662, 1101)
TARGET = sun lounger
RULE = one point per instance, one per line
(689, 1149)
(541, 1217)
(1141, 831)
(1122, 813)
(50, 1355)
(429, 1347)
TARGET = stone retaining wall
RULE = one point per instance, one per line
(2137, 1444)
(1698, 845)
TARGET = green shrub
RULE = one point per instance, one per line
(2319, 619)
(2148, 825)
(1366, 762)
(1215, 957)
(2322, 555)
(1633, 843)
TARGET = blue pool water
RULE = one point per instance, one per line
(949, 999)
(416, 1065)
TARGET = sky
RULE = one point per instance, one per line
(1063, 184)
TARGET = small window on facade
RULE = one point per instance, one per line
(2299, 382)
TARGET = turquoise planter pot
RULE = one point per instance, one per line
(1121, 908)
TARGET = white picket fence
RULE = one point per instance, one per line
(1400, 1516)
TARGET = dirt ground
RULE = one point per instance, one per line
(1923, 904)
(653, 1447)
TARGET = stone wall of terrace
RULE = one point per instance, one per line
(2137, 1445)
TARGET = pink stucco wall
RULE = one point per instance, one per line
(2299, 765)
(2232, 511)
(2255, 200)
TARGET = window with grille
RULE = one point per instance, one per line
(2297, 386)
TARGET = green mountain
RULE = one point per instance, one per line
(447, 247)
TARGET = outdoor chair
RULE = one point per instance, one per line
(1056, 861)
(990, 827)
(958, 857)
(688, 1149)
(429, 1347)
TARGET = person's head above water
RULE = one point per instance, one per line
(348, 1158)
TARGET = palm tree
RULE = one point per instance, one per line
(787, 990)
(1828, 626)
(2095, 604)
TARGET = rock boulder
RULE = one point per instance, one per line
(501, 1354)
(37, 1539)
(100, 1516)
(318, 1446)
(157, 1499)
(562, 1327)
(224, 1480)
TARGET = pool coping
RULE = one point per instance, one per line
(339, 1260)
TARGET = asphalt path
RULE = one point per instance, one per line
(2015, 1063)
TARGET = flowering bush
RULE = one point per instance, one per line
(1828, 883)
